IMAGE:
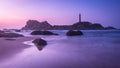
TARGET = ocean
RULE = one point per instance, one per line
(95, 49)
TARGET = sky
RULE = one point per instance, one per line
(15, 13)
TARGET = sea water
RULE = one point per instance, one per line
(95, 49)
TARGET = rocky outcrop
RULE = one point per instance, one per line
(48, 33)
(10, 35)
(43, 33)
(36, 33)
(36, 25)
(97, 26)
(87, 26)
(74, 33)
(109, 28)
(39, 42)
(82, 25)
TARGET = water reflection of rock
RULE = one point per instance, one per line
(40, 47)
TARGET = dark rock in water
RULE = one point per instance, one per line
(79, 32)
(36, 33)
(39, 42)
(10, 35)
(43, 33)
(48, 33)
(74, 33)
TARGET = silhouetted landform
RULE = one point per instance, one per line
(110, 27)
(40, 43)
(43, 33)
(35, 25)
(9, 35)
(74, 33)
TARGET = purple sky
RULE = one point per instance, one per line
(15, 13)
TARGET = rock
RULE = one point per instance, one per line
(79, 33)
(110, 28)
(10, 35)
(48, 33)
(17, 30)
(43, 33)
(36, 25)
(36, 33)
(82, 25)
(10, 39)
(97, 26)
(39, 42)
(74, 33)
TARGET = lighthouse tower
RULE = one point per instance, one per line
(79, 18)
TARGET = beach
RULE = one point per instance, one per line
(59, 33)
(95, 49)
(9, 47)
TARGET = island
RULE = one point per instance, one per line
(80, 25)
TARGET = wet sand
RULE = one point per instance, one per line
(61, 55)
(9, 47)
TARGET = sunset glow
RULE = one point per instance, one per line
(15, 13)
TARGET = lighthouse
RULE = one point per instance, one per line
(79, 18)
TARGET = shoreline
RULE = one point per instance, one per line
(9, 48)
(97, 49)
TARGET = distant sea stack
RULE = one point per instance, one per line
(80, 25)
(36, 25)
